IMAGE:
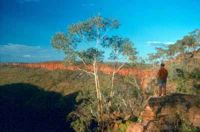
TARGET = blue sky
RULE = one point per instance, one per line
(27, 26)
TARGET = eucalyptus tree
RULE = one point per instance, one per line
(89, 32)
(153, 58)
(122, 52)
(172, 50)
(94, 32)
(196, 35)
(159, 55)
(184, 48)
(189, 43)
(181, 47)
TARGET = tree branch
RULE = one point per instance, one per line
(88, 72)
(82, 60)
(120, 67)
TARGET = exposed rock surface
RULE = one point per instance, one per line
(135, 127)
(166, 113)
(144, 75)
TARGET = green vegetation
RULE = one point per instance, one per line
(61, 81)
(183, 62)
(87, 99)
(64, 83)
(102, 100)
(184, 125)
(188, 128)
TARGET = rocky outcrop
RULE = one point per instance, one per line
(168, 113)
(135, 127)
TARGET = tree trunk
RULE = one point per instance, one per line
(112, 85)
(98, 93)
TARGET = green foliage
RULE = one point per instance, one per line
(123, 126)
(188, 81)
(94, 31)
(78, 126)
(153, 57)
(128, 102)
(182, 62)
(195, 74)
(90, 31)
(90, 54)
(120, 47)
(85, 112)
(61, 81)
(139, 120)
(65, 82)
(92, 28)
(187, 44)
(129, 51)
(188, 128)
(61, 41)
(181, 86)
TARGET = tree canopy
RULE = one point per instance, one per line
(187, 44)
(93, 31)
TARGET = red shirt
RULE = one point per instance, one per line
(162, 74)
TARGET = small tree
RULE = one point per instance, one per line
(184, 47)
(160, 55)
(91, 31)
(172, 51)
(153, 58)
(122, 51)
(196, 35)
(94, 31)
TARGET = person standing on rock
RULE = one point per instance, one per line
(162, 79)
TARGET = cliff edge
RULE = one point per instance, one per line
(169, 113)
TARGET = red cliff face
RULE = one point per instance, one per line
(144, 75)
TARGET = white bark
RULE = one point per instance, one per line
(113, 78)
